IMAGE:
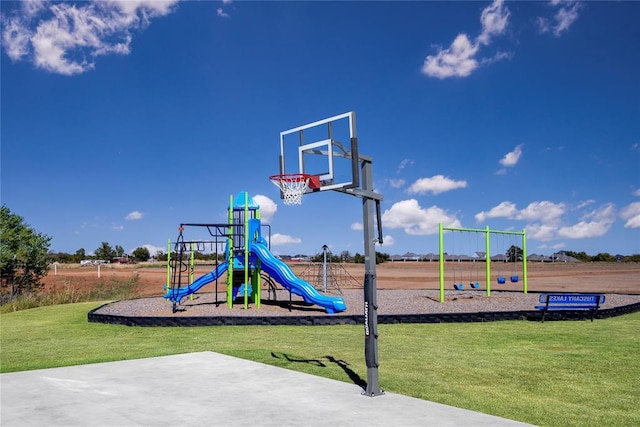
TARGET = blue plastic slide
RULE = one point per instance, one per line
(283, 275)
(176, 295)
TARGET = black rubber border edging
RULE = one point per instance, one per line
(188, 321)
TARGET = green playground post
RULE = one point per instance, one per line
(487, 260)
(441, 260)
(524, 260)
(191, 265)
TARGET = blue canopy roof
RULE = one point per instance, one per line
(238, 202)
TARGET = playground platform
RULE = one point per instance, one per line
(208, 388)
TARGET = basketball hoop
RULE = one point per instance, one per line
(294, 185)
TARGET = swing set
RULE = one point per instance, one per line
(458, 270)
(507, 259)
(510, 256)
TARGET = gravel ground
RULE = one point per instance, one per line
(389, 302)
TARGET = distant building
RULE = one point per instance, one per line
(560, 257)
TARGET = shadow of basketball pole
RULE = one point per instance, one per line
(354, 377)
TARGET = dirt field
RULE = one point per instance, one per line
(623, 278)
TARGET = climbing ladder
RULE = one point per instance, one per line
(329, 277)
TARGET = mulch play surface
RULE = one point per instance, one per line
(403, 287)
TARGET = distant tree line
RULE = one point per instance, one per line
(514, 253)
(104, 252)
(601, 257)
(197, 255)
(107, 253)
(345, 256)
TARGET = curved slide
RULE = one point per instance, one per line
(176, 295)
(283, 275)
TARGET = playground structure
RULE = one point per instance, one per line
(246, 256)
(328, 276)
(509, 258)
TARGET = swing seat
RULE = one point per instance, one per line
(514, 279)
(458, 287)
(501, 280)
(475, 285)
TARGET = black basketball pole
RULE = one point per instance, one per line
(361, 186)
(370, 292)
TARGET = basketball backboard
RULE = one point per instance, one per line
(326, 148)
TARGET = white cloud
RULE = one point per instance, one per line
(541, 232)
(631, 214)
(134, 215)
(221, 12)
(386, 242)
(278, 239)
(153, 250)
(357, 226)
(544, 26)
(499, 56)
(268, 207)
(396, 183)
(565, 16)
(548, 212)
(494, 19)
(117, 227)
(435, 185)
(503, 210)
(14, 39)
(459, 60)
(66, 38)
(456, 61)
(544, 219)
(585, 203)
(33, 7)
(415, 220)
(594, 224)
(511, 159)
(404, 163)
(637, 192)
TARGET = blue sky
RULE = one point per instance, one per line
(121, 120)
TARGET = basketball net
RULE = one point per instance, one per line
(292, 185)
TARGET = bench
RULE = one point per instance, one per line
(570, 302)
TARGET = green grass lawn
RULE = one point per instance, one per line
(574, 373)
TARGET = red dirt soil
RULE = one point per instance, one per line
(622, 278)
